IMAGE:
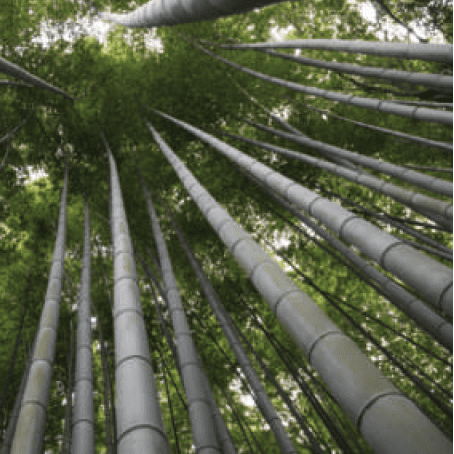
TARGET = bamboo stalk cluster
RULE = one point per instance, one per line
(387, 419)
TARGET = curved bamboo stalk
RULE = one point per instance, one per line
(387, 419)
(157, 13)
(414, 308)
(29, 435)
(432, 280)
(417, 113)
(13, 70)
(433, 208)
(428, 182)
(410, 51)
(140, 427)
(263, 401)
(438, 81)
(199, 406)
(83, 436)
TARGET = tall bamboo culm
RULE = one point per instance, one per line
(194, 382)
(83, 434)
(29, 435)
(140, 427)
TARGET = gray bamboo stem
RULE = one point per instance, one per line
(410, 51)
(12, 423)
(83, 431)
(199, 407)
(173, 12)
(140, 427)
(31, 423)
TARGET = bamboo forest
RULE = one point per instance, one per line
(226, 227)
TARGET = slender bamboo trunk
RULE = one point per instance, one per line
(413, 51)
(222, 432)
(427, 319)
(284, 396)
(13, 70)
(432, 280)
(432, 169)
(430, 183)
(427, 206)
(10, 82)
(263, 401)
(2, 164)
(386, 418)
(109, 404)
(420, 113)
(83, 433)
(203, 428)
(12, 363)
(16, 128)
(106, 387)
(66, 443)
(173, 12)
(29, 434)
(140, 427)
(12, 423)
